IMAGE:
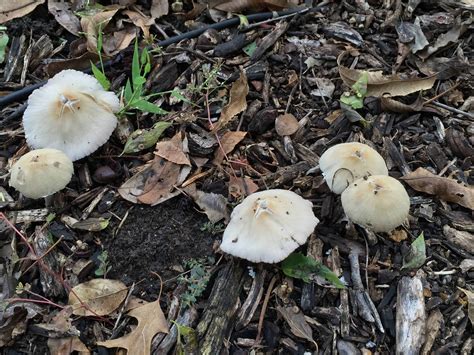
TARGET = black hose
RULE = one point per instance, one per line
(26, 91)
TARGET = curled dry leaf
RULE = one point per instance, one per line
(97, 297)
(18, 8)
(92, 24)
(141, 21)
(65, 16)
(379, 84)
(151, 321)
(172, 150)
(241, 186)
(213, 205)
(228, 142)
(297, 322)
(237, 102)
(239, 6)
(444, 188)
(286, 125)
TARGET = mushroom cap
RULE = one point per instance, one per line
(268, 225)
(379, 203)
(286, 125)
(72, 113)
(346, 162)
(41, 172)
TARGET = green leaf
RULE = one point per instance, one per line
(176, 93)
(417, 254)
(3, 45)
(135, 66)
(352, 101)
(144, 138)
(99, 39)
(100, 76)
(250, 48)
(360, 86)
(187, 340)
(302, 267)
(128, 92)
(146, 106)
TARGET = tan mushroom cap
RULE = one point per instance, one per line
(268, 225)
(346, 162)
(286, 125)
(379, 203)
(72, 113)
(41, 173)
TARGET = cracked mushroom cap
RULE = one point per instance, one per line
(72, 113)
(41, 173)
(346, 162)
(379, 203)
(268, 225)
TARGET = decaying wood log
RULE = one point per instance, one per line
(219, 316)
(411, 316)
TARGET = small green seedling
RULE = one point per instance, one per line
(359, 90)
(99, 74)
(145, 138)
(104, 266)
(196, 280)
(213, 228)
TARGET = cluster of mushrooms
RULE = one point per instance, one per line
(276, 222)
(72, 116)
(67, 119)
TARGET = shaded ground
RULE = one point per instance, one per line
(158, 239)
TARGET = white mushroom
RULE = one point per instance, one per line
(41, 172)
(347, 162)
(268, 225)
(72, 113)
(379, 203)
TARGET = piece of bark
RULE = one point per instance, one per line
(49, 265)
(461, 239)
(315, 251)
(269, 40)
(187, 319)
(253, 299)
(218, 318)
(411, 316)
(433, 326)
(284, 175)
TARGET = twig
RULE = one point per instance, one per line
(455, 110)
(264, 308)
(442, 94)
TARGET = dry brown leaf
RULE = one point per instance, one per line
(82, 62)
(297, 322)
(444, 188)
(141, 21)
(64, 15)
(379, 84)
(237, 102)
(228, 142)
(213, 205)
(159, 8)
(470, 306)
(92, 23)
(241, 187)
(172, 150)
(119, 40)
(18, 8)
(151, 321)
(66, 346)
(97, 297)
(154, 183)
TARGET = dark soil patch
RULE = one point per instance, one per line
(158, 239)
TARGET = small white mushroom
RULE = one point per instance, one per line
(380, 203)
(346, 162)
(41, 173)
(72, 113)
(268, 225)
